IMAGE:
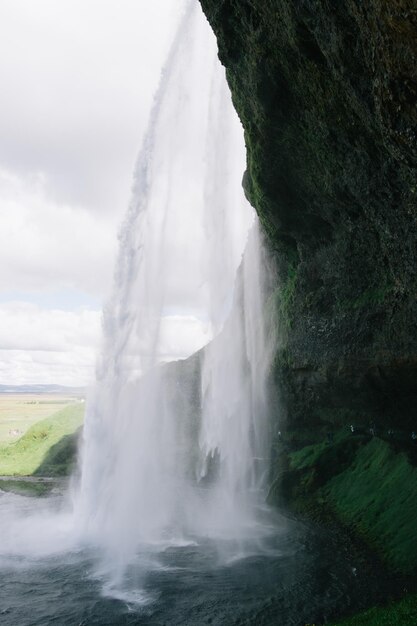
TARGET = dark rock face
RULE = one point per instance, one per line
(326, 92)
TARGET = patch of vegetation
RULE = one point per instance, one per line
(280, 302)
(47, 448)
(287, 294)
(377, 495)
(397, 614)
(369, 484)
(307, 456)
(371, 297)
(18, 412)
(25, 488)
(61, 457)
(323, 453)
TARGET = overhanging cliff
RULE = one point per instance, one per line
(326, 93)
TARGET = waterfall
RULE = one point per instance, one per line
(173, 451)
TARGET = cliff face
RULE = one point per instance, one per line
(327, 94)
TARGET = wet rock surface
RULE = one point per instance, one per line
(327, 94)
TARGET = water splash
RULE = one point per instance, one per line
(178, 451)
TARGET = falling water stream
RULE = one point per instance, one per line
(147, 460)
(166, 522)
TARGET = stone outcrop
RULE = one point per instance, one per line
(326, 92)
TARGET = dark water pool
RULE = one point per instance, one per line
(298, 576)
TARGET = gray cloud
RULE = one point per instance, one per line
(77, 80)
(76, 91)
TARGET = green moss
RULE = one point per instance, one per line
(373, 296)
(307, 456)
(328, 460)
(397, 614)
(365, 483)
(283, 297)
(323, 453)
(32, 451)
(377, 495)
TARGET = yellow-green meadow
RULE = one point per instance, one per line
(38, 433)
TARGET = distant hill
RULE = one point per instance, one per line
(61, 389)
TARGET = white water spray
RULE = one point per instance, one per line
(173, 452)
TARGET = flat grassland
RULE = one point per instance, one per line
(19, 411)
(38, 433)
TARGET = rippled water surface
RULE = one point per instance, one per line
(295, 575)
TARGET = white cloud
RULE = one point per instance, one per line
(181, 335)
(47, 346)
(77, 83)
(44, 245)
(41, 346)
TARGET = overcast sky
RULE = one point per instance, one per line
(77, 79)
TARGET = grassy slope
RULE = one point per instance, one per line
(31, 452)
(378, 495)
(18, 412)
(371, 488)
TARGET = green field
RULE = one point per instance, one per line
(19, 411)
(38, 434)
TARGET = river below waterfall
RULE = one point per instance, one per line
(294, 575)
